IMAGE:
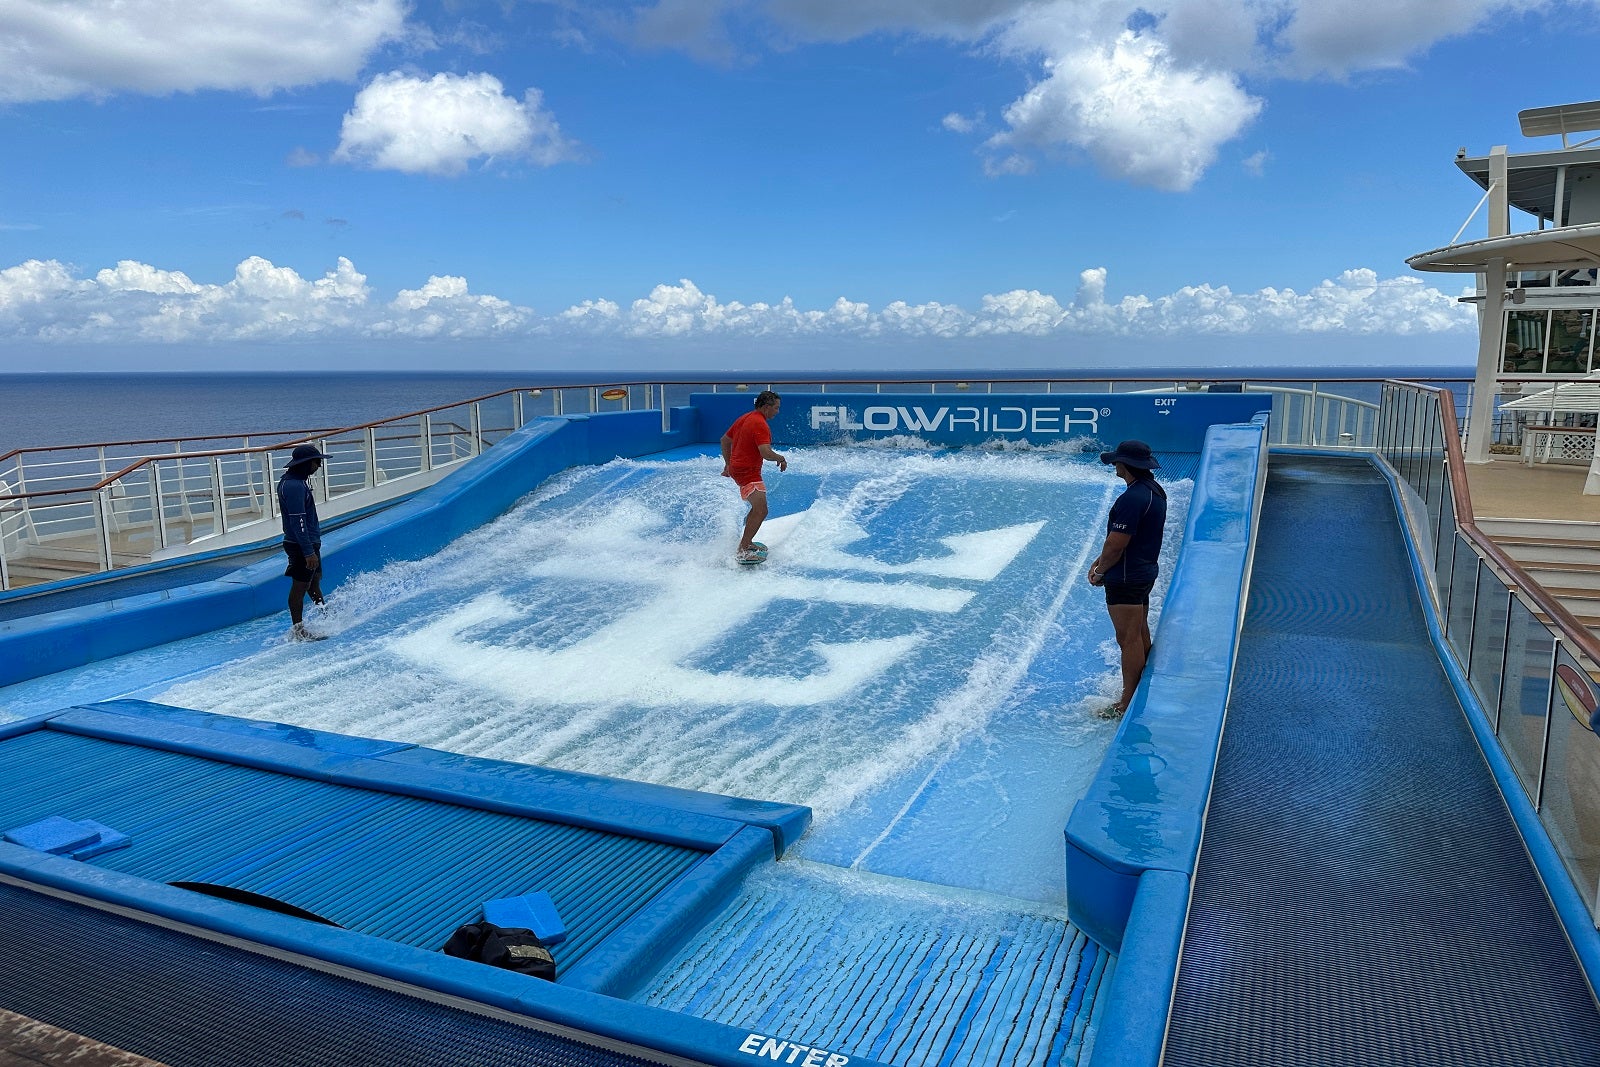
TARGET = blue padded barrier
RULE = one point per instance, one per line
(1569, 905)
(462, 501)
(1144, 809)
(786, 822)
(223, 749)
(658, 813)
(637, 950)
(1134, 1023)
(1168, 422)
(586, 1012)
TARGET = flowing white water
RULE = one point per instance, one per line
(918, 661)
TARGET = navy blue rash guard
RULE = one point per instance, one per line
(1141, 513)
(299, 511)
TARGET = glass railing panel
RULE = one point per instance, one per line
(125, 510)
(537, 404)
(1525, 697)
(345, 470)
(1415, 428)
(1391, 422)
(1444, 534)
(450, 437)
(1463, 587)
(188, 482)
(678, 393)
(496, 418)
(1436, 502)
(1570, 805)
(1433, 463)
(1489, 637)
(397, 446)
(572, 401)
(1529, 646)
(247, 480)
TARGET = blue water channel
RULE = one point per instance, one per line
(920, 661)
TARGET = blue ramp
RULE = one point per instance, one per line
(1362, 895)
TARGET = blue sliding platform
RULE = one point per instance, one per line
(188, 1002)
(355, 855)
(1362, 894)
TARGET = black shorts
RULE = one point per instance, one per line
(1128, 593)
(297, 568)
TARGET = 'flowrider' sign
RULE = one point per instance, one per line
(1167, 422)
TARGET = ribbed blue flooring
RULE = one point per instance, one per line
(186, 1002)
(885, 970)
(1362, 895)
(396, 867)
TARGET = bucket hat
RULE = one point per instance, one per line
(304, 453)
(1132, 454)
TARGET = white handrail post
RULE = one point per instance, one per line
(322, 446)
(102, 507)
(427, 442)
(1316, 411)
(219, 522)
(157, 504)
(272, 491)
(371, 446)
(477, 430)
(516, 410)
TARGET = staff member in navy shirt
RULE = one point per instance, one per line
(302, 535)
(1130, 559)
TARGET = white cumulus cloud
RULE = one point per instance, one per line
(59, 49)
(1340, 36)
(1148, 90)
(1132, 109)
(131, 303)
(442, 124)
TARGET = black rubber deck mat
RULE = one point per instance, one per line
(190, 1002)
(1363, 896)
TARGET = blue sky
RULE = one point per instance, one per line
(701, 183)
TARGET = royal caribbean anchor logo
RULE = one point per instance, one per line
(667, 631)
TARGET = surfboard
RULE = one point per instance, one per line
(761, 556)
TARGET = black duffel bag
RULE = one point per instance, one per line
(511, 948)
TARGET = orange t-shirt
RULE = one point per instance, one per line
(749, 432)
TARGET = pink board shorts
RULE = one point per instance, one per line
(746, 488)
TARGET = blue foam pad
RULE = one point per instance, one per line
(535, 911)
(54, 835)
(109, 840)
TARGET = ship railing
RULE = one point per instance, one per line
(1307, 414)
(90, 509)
(1530, 662)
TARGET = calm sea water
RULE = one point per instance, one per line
(39, 410)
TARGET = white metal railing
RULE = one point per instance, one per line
(1531, 663)
(95, 508)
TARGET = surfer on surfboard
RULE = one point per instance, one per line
(746, 444)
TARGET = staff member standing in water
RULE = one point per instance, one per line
(748, 442)
(302, 536)
(1130, 560)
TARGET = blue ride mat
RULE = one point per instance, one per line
(1362, 895)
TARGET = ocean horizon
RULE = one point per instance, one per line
(82, 407)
